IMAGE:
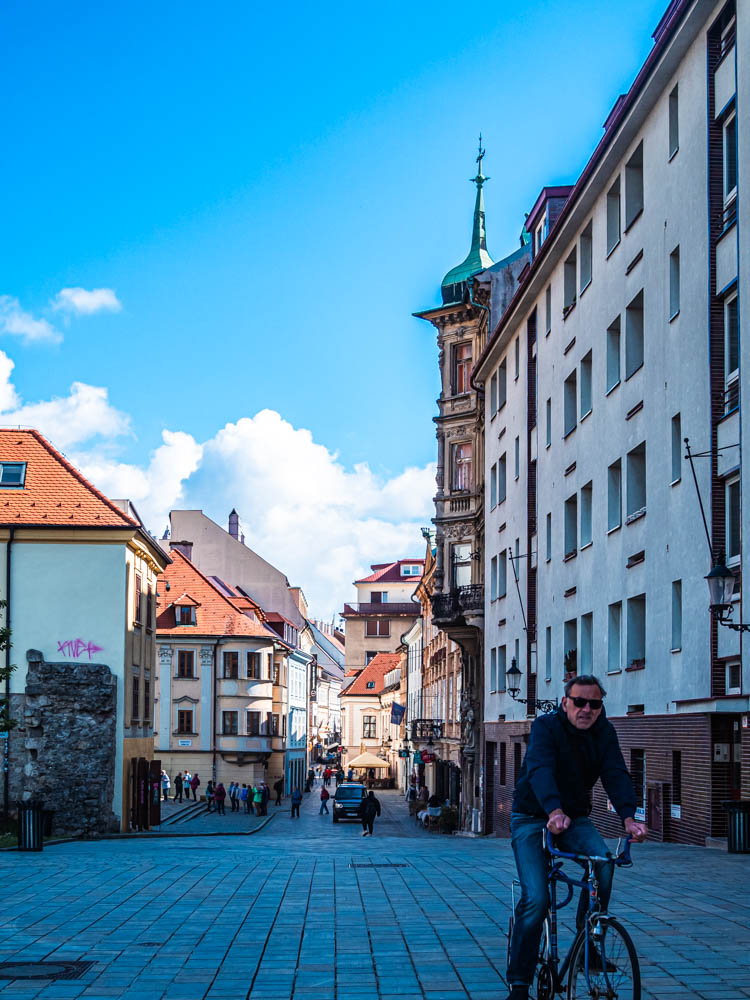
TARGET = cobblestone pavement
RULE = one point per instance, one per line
(305, 910)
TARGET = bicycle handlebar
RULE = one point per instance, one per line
(622, 858)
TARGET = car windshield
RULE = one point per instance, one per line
(349, 792)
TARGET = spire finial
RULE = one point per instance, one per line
(478, 258)
(480, 178)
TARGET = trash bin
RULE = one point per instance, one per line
(738, 841)
(30, 825)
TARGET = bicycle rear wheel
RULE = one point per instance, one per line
(612, 947)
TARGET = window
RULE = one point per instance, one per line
(516, 457)
(502, 573)
(674, 282)
(185, 663)
(137, 609)
(730, 158)
(636, 489)
(231, 665)
(634, 186)
(272, 724)
(569, 282)
(734, 677)
(570, 415)
(462, 466)
(539, 237)
(676, 778)
(136, 707)
(676, 448)
(377, 627)
(548, 309)
(252, 721)
(493, 579)
(378, 597)
(614, 495)
(229, 723)
(586, 658)
(502, 662)
(461, 368)
(731, 353)
(501, 479)
(503, 764)
(516, 760)
(148, 720)
(185, 720)
(368, 727)
(613, 216)
(677, 614)
(275, 673)
(614, 637)
(733, 519)
(517, 357)
(634, 335)
(411, 570)
(637, 632)
(548, 422)
(674, 122)
(370, 655)
(548, 654)
(149, 609)
(502, 385)
(12, 474)
(184, 614)
(571, 525)
(254, 666)
(586, 256)
(549, 537)
(586, 368)
(571, 646)
(586, 513)
(493, 486)
(613, 354)
(638, 777)
(461, 558)
(493, 394)
(493, 669)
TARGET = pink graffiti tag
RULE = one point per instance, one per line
(75, 648)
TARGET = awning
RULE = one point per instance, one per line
(368, 760)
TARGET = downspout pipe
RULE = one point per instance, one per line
(6, 757)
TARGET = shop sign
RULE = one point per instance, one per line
(418, 757)
(428, 758)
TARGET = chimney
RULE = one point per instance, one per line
(234, 524)
(242, 538)
(186, 548)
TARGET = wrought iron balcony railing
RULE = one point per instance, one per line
(390, 609)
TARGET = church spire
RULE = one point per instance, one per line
(478, 258)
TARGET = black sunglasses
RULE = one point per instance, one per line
(596, 703)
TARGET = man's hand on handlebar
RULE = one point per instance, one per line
(558, 821)
(635, 830)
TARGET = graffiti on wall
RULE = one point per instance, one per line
(76, 649)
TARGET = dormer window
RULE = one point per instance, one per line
(370, 684)
(184, 614)
(12, 474)
(412, 570)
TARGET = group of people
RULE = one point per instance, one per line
(183, 783)
(253, 798)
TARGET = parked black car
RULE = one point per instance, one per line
(347, 800)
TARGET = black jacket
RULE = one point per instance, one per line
(562, 765)
(369, 808)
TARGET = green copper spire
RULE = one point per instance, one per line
(478, 258)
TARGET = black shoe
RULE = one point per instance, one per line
(595, 961)
(518, 993)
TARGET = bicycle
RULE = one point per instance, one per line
(602, 962)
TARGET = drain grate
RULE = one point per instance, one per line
(378, 864)
(43, 970)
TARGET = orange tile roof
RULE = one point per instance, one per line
(214, 615)
(54, 492)
(391, 572)
(375, 671)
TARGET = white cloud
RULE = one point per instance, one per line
(8, 395)
(19, 323)
(81, 302)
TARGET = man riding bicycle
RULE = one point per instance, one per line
(569, 750)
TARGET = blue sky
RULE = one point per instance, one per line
(270, 192)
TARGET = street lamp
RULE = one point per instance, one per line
(513, 687)
(720, 588)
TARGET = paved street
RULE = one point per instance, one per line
(304, 910)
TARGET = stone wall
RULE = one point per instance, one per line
(63, 748)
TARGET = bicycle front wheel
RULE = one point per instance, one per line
(613, 969)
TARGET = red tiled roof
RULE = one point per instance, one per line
(391, 572)
(274, 616)
(54, 492)
(215, 614)
(375, 671)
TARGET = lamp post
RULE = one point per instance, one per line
(513, 686)
(720, 588)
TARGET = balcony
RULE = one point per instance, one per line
(390, 610)
(451, 607)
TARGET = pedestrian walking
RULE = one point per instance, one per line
(220, 795)
(411, 797)
(339, 776)
(165, 785)
(296, 799)
(279, 789)
(210, 795)
(324, 797)
(350, 774)
(266, 795)
(234, 796)
(178, 787)
(368, 810)
(258, 800)
(243, 798)
(327, 776)
(194, 785)
(371, 777)
(186, 784)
